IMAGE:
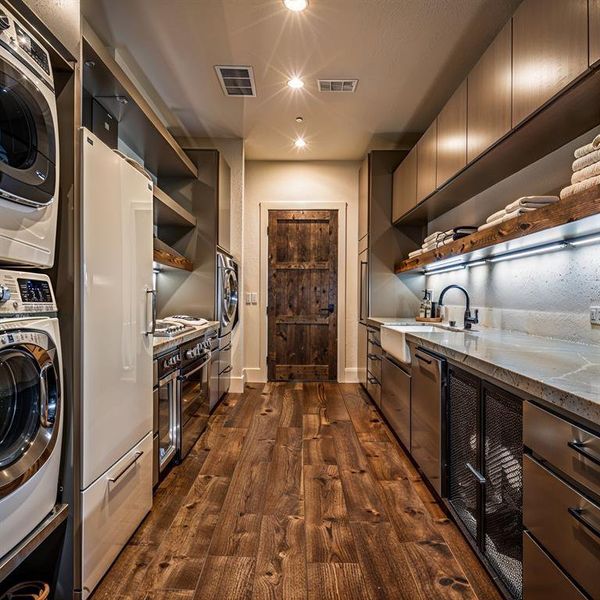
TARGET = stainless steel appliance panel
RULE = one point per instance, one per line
(166, 414)
(374, 354)
(363, 293)
(542, 578)
(566, 524)
(362, 354)
(569, 448)
(227, 292)
(225, 366)
(155, 408)
(428, 373)
(395, 399)
(155, 460)
(374, 389)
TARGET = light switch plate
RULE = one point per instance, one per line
(248, 298)
(595, 315)
(254, 298)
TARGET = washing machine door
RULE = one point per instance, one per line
(230, 297)
(28, 143)
(29, 407)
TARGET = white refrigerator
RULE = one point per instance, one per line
(118, 307)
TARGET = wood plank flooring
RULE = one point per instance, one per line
(296, 491)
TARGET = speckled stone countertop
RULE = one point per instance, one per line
(162, 344)
(379, 321)
(563, 373)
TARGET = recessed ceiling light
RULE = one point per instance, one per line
(300, 143)
(299, 119)
(295, 83)
(296, 5)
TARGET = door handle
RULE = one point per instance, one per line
(480, 478)
(585, 452)
(48, 412)
(577, 514)
(137, 456)
(151, 322)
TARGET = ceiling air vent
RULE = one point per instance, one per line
(338, 85)
(236, 81)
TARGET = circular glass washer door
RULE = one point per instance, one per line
(29, 413)
(230, 296)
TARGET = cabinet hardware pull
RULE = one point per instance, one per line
(480, 478)
(586, 453)
(133, 461)
(373, 356)
(425, 360)
(577, 514)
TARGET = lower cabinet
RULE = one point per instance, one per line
(395, 399)
(485, 471)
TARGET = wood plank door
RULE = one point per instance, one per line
(302, 310)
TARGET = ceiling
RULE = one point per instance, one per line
(409, 55)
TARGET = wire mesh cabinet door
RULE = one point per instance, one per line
(503, 458)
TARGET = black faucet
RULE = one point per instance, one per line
(469, 320)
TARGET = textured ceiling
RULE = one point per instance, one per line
(409, 55)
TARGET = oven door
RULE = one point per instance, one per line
(167, 420)
(28, 144)
(30, 406)
(194, 403)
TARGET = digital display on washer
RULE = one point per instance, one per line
(32, 48)
(34, 290)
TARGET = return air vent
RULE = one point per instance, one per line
(236, 81)
(338, 85)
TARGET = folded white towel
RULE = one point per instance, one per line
(586, 184)
(583, 174)
(490, 224)
(448, 241)
(495, 216)
(586, 161)
(531, 202)
(593, 145)
(415, 253)
(507, 217)
(433, 236)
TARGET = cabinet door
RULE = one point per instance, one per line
(550, 49)
(404, 190)
(490, 89)
(224, 205)
(594, 31)
(426, 162)
(363, 199)
(395, 399)
(452, 136)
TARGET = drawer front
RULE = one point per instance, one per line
(374, 389)
(374, 364)
(374, 337)
(395, 399)
(112, 509)
(567, 447)
(564, 522)
(542, 578)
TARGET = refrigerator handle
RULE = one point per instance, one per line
(151, 322)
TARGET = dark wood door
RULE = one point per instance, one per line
(302, 310)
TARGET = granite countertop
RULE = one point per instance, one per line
(379, 321)
(162, 344)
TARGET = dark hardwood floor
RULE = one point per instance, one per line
(296, 491)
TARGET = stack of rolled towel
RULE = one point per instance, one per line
(517, 208)
(586, 168)
(442, 238)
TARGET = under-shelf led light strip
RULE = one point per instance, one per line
(454, 264)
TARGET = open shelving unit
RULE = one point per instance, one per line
(575, 216)
(168, 257)
(169, 213)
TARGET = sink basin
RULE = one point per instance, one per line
(393, 339)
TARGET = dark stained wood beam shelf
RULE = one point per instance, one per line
(169, 213)
(165, 255)
(574, 216)
(139, 126)
(560, 120)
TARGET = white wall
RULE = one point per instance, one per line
(297, 183)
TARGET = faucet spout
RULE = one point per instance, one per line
(469, 320)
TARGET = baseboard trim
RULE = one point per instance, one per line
(237, 384)
(351, 375)
(255, 375)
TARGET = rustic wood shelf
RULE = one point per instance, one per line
(139, 126)
(574, 216)
(571, 113)
(169, 213)
(165, 255)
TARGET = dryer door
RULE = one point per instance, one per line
(28, 143)
(29, 408)
(230, 297)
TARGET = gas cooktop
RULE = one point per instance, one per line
(166, 328)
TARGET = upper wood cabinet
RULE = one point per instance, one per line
(224, 202)
(427, 162)
(594, 31)
(404, 196)
(452, 136)
(363, 199)
(490, 95)
(550, 49)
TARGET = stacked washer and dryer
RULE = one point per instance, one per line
(31, 404)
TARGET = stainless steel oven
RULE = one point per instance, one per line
(168, 370)
(194, 395)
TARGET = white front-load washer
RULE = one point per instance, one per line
(31, 404)
(29, 152)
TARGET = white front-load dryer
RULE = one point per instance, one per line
(31, 405)
(29, 151)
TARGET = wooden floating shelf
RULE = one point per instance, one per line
(139, 126)
(574, 216)
(168, 213)
(165, 255)
(573, 112)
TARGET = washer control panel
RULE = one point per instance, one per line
(23, 293)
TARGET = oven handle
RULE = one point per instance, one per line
(204, 363)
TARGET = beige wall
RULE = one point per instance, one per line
(297, 183)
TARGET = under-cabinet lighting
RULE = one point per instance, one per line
(522, 253)
(477, 263)
(445, 263)
(445, 270)
(584, 241)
